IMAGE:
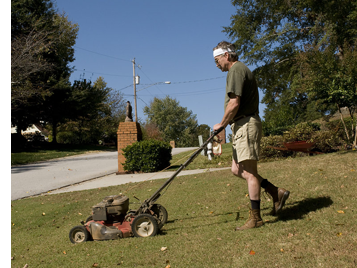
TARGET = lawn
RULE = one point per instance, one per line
(54, 151)
(317, 227)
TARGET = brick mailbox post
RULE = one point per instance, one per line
(128, 133)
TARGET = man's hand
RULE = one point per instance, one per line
(217, 126)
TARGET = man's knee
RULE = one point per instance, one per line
(236, 170)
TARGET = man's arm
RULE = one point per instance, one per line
(231, 111)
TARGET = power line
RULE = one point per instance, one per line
(84, 70)
(195, 81)
(191, 93)
(101, 54)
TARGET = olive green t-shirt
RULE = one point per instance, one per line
(241, 82)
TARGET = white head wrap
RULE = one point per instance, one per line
(220, 51)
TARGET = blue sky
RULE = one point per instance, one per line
(170, 40)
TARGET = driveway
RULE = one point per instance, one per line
(34, 179)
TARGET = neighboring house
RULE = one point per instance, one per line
(33, 129)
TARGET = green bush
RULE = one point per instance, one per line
(301, 132)
(337, 127)
(326, 141)
(147, 156)
(266, 152)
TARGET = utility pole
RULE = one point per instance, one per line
(134, 79)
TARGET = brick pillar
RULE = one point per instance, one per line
(128, 133)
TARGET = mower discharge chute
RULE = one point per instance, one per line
(112, 219)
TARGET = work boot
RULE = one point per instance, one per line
(279, 195)
(254, 220)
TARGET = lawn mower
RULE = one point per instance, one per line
(112, 219)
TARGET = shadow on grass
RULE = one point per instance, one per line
(299, 209)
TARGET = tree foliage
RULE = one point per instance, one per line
(41, 50)
(273, 35)
(175, 122)
(93, 113)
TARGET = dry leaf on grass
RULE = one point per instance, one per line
(252, 252)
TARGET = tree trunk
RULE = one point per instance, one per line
(343, 122)
(54, 132)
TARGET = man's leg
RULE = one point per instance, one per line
(248, 170)
(279, 195)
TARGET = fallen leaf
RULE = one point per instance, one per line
(168, 264)
(26, 265)
(340, 211)
(252, 252)
(281, 250)
(353, 170)
(79, 213)
(70, 169)
(218, 238)
(211, 212)
(95, 264)
(339, 234)
(64, 252)
(163, 248)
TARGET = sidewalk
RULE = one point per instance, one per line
(113, 179)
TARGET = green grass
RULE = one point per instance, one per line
(52, 152)
(317, 227)
(202, 162)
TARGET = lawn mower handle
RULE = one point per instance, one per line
(150, 201)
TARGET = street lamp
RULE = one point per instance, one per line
(136, 82)
(158, 83)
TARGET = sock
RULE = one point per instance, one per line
(255, 204)
(265, 183)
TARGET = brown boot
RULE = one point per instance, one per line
(279, 195)
(254, 220)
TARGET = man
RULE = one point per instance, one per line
(242, 113)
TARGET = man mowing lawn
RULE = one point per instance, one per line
(242, 114)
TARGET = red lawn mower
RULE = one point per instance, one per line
(112, 219)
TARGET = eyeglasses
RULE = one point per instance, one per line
(216, 60)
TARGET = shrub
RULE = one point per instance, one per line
(273, 141)
(326, 141)
(301, 132)
(147, 156)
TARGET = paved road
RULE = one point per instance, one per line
(34, 179)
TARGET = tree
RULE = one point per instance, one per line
(272, 34)
(41, 50)
(93, 112)
(175, 122)
(331, 80)
(203, 130)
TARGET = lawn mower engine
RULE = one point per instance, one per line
(110, 219)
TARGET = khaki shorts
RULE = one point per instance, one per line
(246, 134)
